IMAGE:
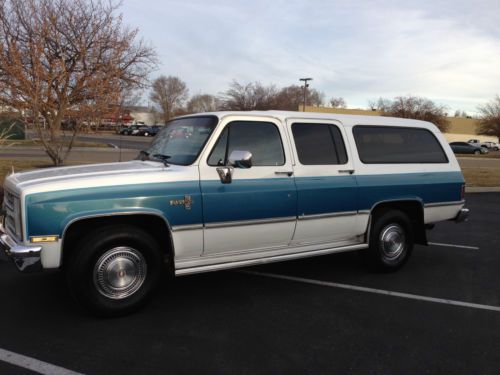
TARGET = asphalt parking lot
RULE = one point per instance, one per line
(446, 318)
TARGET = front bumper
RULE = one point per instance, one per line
(463, 215)
(26, 258)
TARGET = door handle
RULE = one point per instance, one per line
(350, 171)
(288, 173)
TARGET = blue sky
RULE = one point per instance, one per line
(448, 51)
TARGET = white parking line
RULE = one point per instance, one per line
(375, 291)
(451, 245)
(33, 364)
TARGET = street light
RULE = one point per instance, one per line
(306, 85)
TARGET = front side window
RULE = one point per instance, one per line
(181, 140)
(262, 139)
(391, 144)
(319, 144)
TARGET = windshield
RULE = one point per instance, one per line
(181, 140)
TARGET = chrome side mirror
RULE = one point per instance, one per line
(225, 174)
(241, 159)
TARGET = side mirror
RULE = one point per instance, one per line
(240, 159)
(225, 174)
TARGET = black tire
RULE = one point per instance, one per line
(477, 152)
(113, 246)
(386, 255)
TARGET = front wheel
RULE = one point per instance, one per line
(391, 240)
(477, 152)
(114, 270)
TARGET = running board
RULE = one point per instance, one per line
(264, 260)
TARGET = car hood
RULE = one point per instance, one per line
(93, 175)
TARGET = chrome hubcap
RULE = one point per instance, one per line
(392, 241)
(120, 272)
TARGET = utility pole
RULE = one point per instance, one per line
(306, 85)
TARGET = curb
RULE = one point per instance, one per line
(482, 189)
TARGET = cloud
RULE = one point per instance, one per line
(448, 51)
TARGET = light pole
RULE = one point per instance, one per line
(306, 85)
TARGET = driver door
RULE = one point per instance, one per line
(257, 209)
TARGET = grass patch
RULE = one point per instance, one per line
(37, 143)
(481, 176)
(490, 155)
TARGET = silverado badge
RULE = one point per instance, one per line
(186, 202)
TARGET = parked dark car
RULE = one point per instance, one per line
(154, 130)
(467, 148)
(130, 130)
(145, 131)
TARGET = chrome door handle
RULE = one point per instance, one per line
(288, 173)
(350, 171)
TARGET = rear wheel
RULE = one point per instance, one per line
(391, 240)
(114, 270)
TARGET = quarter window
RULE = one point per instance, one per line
(391, 144)
(319, 144)
(262, 139)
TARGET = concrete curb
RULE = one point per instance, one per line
(482, 189)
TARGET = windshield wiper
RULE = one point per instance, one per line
(163, 158)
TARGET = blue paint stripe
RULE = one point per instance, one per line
(427, 187)
(48, 213)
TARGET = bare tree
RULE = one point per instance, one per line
(256, 96)
(170, 94)
(415, 107)
(66, 58)
(290, 98)
(489, 118)
(247, 97)
(203, 103)
(338, 102)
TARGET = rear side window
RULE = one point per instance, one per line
(319, 144)
(262, 139)
(389, 145)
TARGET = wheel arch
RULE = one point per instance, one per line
(412, 207)
(153, 223)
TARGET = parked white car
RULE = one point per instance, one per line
(243, 188)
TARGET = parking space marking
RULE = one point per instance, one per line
(451, 245)
(33, 364)
(375, 291)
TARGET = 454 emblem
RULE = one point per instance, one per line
(186, 202)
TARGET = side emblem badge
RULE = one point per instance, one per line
(187, 202)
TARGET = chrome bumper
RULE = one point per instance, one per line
(462, 215)
(26, 258)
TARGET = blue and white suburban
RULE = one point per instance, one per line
(230, 189)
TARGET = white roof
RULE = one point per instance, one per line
(346, 120)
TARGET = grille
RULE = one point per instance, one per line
(12, 214)
(9, 201)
